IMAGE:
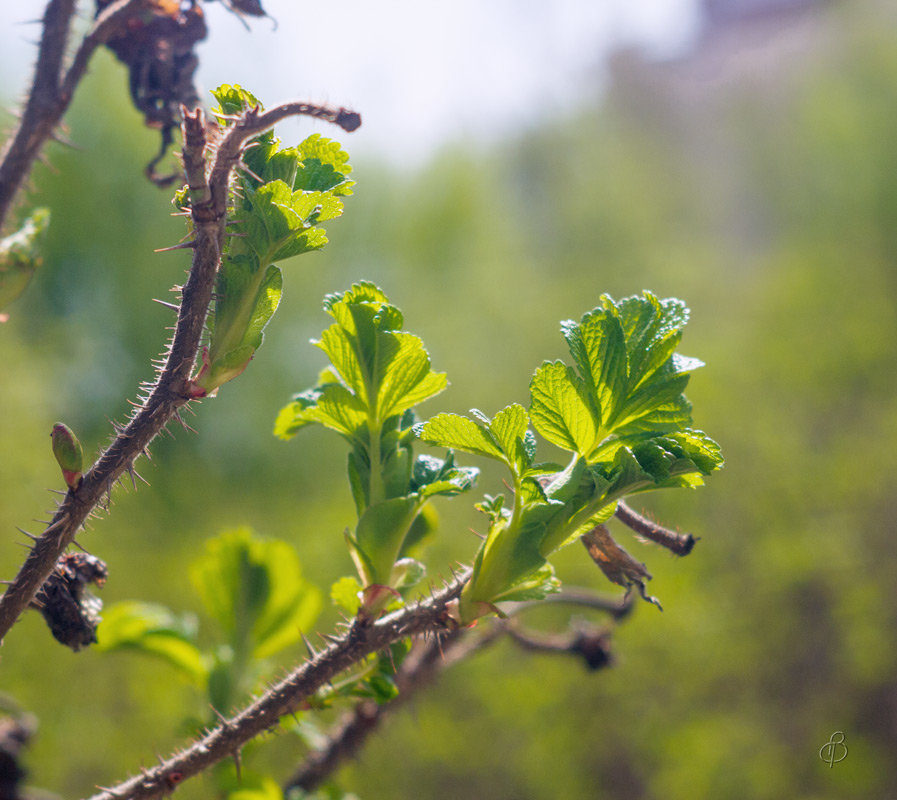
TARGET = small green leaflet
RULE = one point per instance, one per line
(505, 438)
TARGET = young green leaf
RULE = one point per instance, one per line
(346, 595)
(254, 589)
(628, 381)
(504, 438)
(619, 409)
(154, 630)
(20, 256)
(433, 476)
(459, 433)
(561, 410)
(379, 535)
(233, 100)
(387, 369)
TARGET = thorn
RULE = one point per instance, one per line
(172, 306)
(108, 789)
(181, 246)
(29, 535)
(308, 646)
(66, 142)
(238, 764)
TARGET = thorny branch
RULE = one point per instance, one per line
(168, 393)
(53, 88)
(362, 638)
(430, 658)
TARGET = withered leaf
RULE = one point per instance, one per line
(71, 612)
(617, 565)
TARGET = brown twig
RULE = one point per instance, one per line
(52, 89)
(360, 640)
(679, 543)
(430, 658)
(426, 660)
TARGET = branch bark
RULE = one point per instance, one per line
(52, 89)
(362, 638)
(429, 659)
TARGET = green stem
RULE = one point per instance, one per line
(376, 490)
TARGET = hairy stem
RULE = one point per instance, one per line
(428, 659)
(362, 638)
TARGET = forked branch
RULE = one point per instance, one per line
(362, 638)
(53, 88)
(208, 172)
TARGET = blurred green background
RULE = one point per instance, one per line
(765, 196)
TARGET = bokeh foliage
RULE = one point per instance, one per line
(779, 629)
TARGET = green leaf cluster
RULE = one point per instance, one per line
(279, 199)
(378, 373)
(621, 412)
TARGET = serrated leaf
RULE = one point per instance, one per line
(631, 377)
(325, 166)
(510, 427)
(285, 218)
(675, 460)
(233, 99)
(404, 376)
(603, 354)
(360, 292)
(459, 433)
(560, 408)
(340, 347)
